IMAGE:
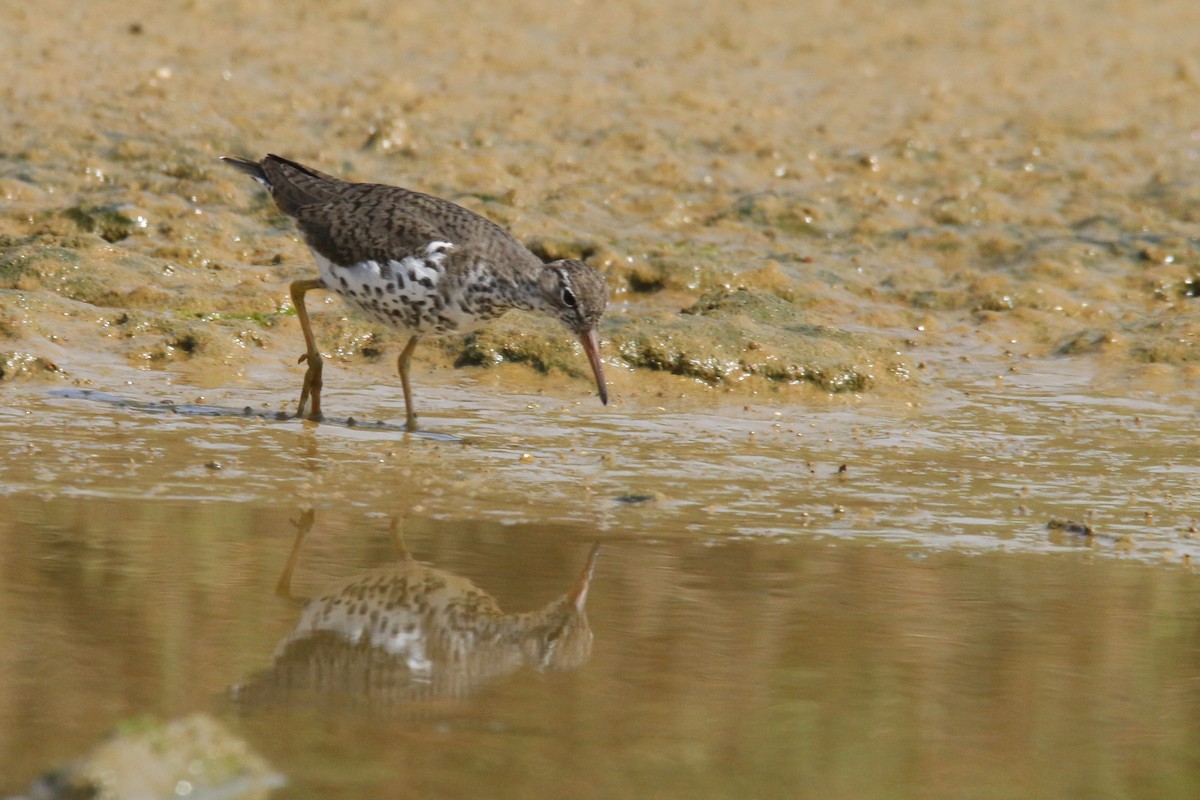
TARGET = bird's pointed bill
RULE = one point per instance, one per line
(591, 346)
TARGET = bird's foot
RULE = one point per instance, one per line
(312, 387)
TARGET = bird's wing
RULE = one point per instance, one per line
(348, 232)
(352, 222)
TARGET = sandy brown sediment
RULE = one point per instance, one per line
(1020, 179)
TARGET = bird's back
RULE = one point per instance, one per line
(364, 221)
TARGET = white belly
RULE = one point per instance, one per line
(405, 293)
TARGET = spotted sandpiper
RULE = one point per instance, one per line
(408, 631)
(421, 264)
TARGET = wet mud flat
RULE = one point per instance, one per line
(777, 196)
(902, 343)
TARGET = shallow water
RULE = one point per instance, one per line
(764, 624)
(775, 667)
(985, 463)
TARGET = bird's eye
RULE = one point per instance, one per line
(568, 298)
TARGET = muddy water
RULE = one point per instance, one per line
(763, 621)
(897, 495)
(719, 668)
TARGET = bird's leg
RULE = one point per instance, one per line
(312, 375)
(402, 365)
(283, 587)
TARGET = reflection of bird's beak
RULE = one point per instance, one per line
(591, 345)
(578, 593)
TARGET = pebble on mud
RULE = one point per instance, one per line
(15, 364)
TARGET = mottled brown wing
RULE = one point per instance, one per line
(352, 222)
(374, 222)
(450, 221)
(348, 232)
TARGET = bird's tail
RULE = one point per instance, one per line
(293, 185)
(252, 168)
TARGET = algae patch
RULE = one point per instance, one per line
(728, 336)
(722, 339)
(520, 338)
(108, 222)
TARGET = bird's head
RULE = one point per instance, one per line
(576, 293)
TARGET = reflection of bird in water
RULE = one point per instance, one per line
(409, 632)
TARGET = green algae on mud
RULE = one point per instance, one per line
(727, 336)
(722, 339)
(159, 312)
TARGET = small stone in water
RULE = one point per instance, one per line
(1070, 526)
(631, 499)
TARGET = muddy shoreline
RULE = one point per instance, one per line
(930, 177)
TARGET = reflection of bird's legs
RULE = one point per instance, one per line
(283, 587)
(312, 375)
(396, 533)
(402, 365)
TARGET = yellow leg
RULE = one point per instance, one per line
(312, 375)
(402, 364)
(283, 587)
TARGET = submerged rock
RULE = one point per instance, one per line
(194, 756)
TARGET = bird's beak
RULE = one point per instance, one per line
(591, 345)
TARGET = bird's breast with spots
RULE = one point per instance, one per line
(413, 293)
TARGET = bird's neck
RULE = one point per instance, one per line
(520, 290)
